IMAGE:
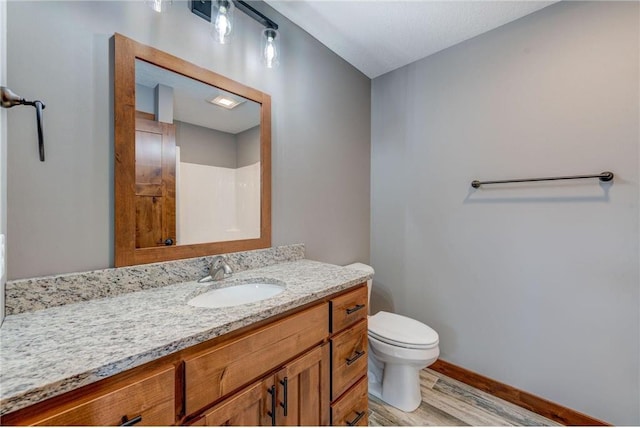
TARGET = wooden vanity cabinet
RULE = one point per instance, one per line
(307, 367)
(293, 396)
(216, 372)
(326, 385)
(300, 386)
(349, 355)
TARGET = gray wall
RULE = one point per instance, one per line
(535, 285)
(60, 212)
(248, 146)
(145, 99)
(205, 146)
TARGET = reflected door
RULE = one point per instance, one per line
(155, 183)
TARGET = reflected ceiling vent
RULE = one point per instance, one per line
(226, 102)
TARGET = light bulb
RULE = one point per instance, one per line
(270, 48)
(223, 23)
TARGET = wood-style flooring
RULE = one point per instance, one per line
(447, 402)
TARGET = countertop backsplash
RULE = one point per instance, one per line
(32, 294)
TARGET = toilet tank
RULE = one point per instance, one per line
(366, 269)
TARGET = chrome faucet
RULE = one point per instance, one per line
(219, 270)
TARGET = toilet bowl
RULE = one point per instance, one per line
(399, 347)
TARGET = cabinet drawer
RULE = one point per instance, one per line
(215, 373)
(352, 408)
(348, 309)
(348, 357)
(151, 399)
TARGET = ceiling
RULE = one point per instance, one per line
(190, 101)
(378, 36)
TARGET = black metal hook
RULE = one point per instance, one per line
(10, 99)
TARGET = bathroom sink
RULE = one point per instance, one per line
(236, 295)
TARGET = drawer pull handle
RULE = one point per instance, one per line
(126, 422)
(356, 420)
(284, 405)
(272, 413)
(355, 357)
(354, 309)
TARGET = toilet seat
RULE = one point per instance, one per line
(402, 331)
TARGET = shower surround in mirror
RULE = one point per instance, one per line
(201, 189)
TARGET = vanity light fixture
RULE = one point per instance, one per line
(223, 24)
(270, 47)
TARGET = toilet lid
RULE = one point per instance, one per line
(401, 331)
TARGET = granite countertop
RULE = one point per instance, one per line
(51, 351)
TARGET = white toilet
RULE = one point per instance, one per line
(399, 347)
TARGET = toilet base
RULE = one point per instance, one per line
(375, 388)
(394, 373)
(400, 387)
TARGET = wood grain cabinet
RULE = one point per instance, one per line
(290, 397)
(216, 372)
(303, 390)
(249, 407)
(307, 367)
(296, 394)
(148, 399)
(351, 409)
(349, 355)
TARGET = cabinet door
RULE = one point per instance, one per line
(250, 407)
(303, 389)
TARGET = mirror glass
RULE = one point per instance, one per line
(192, 159)
(197, 161)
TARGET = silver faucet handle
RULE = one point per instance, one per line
(219, 268)
(217, 260)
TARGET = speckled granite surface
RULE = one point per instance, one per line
(40, 293)
(48, 352)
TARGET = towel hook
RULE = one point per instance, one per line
(10, 99)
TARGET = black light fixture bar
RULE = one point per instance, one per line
(256, 15)
(202, 8)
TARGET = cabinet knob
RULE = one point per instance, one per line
(168, 242)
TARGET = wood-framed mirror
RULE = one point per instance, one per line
(191, 178)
